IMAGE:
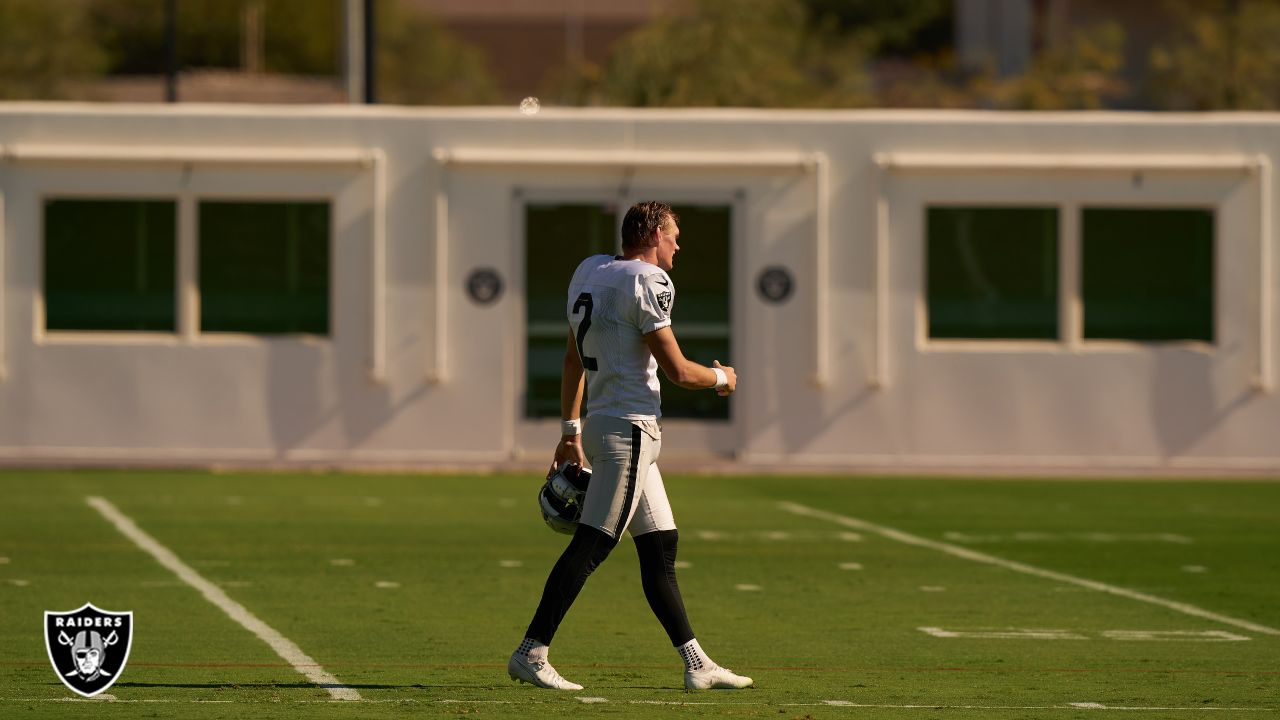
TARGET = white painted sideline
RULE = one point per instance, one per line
(283, 646)
(967, 554)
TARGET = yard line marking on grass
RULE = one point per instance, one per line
(1005, 634)
(1176, 635)
(1068, 706)
(747, 587)
(1194, 568)
(850, 566)
(1093, 537)
(967, 554)
(511, 563)
(591, 700)
(283, 646)
(342, 562)
(4, 561)
(386, 584)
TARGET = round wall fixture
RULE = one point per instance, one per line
(484, 285)
(775, 284)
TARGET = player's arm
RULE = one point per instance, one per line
(572, 376)
(684, 372)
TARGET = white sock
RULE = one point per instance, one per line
(694, 657)
(533, 650)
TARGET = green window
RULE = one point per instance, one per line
(992, 272)
(264, 267)
(700, 316)
(1147, 274)
(559, 236)
(110, 264)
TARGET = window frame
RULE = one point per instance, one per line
(44, 335)
(1071, 337)
(1122, 345)
(922, 317)
(723, 435)
(223, 337)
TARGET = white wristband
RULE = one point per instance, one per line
(571, 427)
(721, 378)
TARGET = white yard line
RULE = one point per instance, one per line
(1069, 706)
(283, 646)
(967, 554)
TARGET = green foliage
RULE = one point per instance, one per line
(1226, 58)
(300, 36)
(44, 49)
(900, 28)
(754, 53)
(1081, 74)
(419, 62)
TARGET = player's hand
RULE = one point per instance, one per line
(729, 375)
(569, 450)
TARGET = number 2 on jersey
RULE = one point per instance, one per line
(584, 303)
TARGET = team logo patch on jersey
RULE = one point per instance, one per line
(664, 301)
(88, 647)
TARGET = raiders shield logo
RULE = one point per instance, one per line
(664, 302)
(88, 647)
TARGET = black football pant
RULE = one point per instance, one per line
(588, 548)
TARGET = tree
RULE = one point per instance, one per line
(1081, 74)
(750, 53)
(419, 62)
(45, 48)
(903, 28)
(300, 37)
(1227, 58)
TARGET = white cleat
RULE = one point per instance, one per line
(537, 673)
(715, 678)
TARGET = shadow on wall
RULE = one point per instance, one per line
(295, 394)
(1184, 403)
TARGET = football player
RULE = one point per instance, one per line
(619, 311)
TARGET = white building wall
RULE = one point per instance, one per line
(840, 375)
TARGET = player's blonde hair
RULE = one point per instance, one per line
(641, 220)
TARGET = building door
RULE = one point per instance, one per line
(557, 236)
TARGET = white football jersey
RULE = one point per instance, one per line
(613, 303)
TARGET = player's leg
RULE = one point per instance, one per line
(654, 530)
(588, 548)
(619, 453)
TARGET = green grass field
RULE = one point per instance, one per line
(437, 576)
